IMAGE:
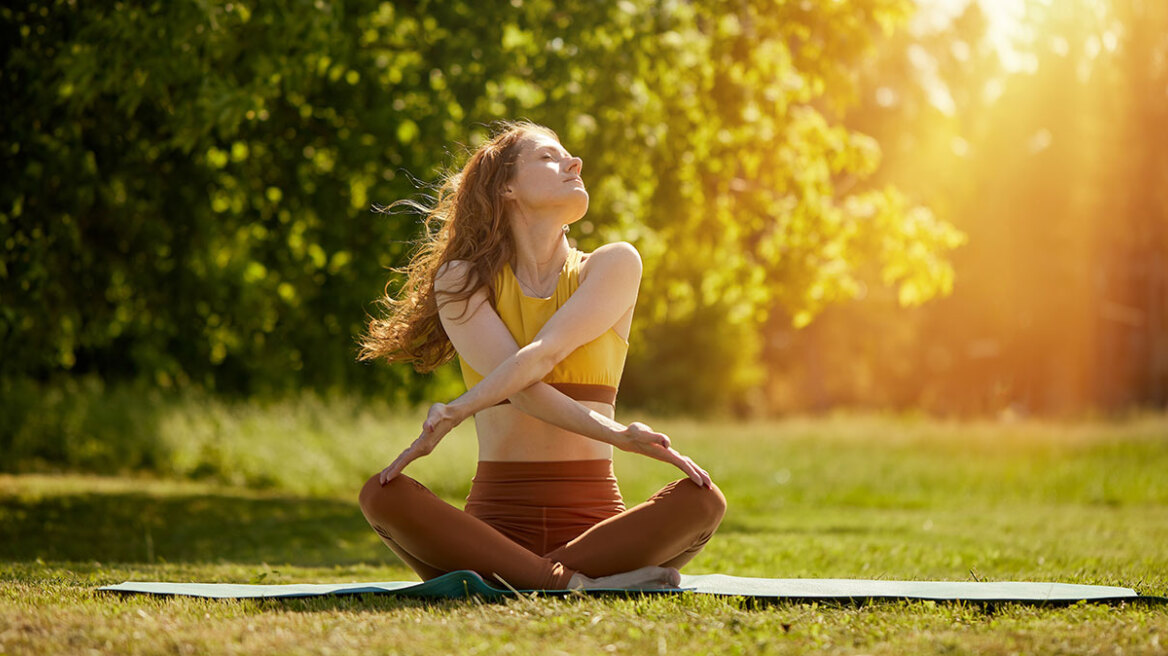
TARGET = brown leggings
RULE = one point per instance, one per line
(535, 524)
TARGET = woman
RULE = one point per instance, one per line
(544, 510)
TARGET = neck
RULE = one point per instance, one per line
(541, 247)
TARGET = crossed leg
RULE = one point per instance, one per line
(667, 530)
(433, 537)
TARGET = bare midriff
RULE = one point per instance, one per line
(508, 434)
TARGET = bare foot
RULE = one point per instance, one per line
(646, 578)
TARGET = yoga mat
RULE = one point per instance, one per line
(465, 583)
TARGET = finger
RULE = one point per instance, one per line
(391, 472)
(686, 465)
(701, 472)
(702, 477)
(695, 476)
(396, 466)
(709, 482)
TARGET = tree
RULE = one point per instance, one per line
(187, 198)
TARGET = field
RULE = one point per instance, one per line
(267, 494)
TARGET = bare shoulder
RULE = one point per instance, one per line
(451, 276)
(619, 256)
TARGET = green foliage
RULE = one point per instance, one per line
(306, 444)
(80, 425)
(328, 445)
(186, 187)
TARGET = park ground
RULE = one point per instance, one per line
(269, 496)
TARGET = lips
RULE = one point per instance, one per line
(574, 180)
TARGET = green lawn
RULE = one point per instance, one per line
(836, 497)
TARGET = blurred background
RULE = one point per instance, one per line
(951, 207)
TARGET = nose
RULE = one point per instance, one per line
(575, 165)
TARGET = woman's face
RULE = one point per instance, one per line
(546, 176)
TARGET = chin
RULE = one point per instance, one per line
(572, 209)
(581, 212)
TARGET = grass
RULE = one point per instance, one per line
(273, 501)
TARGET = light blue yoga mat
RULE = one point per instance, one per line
(465, 583)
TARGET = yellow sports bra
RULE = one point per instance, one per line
(590, 373)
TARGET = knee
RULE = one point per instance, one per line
(707, 502)
(377, 500)
(714, 503)
(369, 494)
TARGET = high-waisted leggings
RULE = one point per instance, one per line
(533, 525)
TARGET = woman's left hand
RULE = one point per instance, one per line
(439, 421)
(648, 442)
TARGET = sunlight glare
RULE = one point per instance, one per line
(1005, 31)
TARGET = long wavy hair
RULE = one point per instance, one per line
(464, 222)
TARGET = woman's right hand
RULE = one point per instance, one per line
(439, 421)
(639, 438)
(422, 446)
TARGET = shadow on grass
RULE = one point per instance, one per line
(141, 527)
(378, 603)
(209, 528)
(375, 603)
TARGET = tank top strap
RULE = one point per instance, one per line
(571, 281)
(500, 282)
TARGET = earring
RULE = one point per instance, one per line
(565, 228)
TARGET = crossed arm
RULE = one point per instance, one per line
(482, 338)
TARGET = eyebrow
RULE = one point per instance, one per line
(553, 149)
